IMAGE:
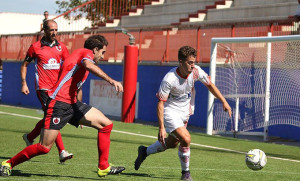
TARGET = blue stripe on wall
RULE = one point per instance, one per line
(149, 77)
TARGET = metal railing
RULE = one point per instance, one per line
(156, 44)
(95, 13)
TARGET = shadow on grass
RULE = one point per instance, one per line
(138, 175)
(4, 158)
(12, 130)
(22, 174)
(146, 176)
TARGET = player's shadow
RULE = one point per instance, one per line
(22, 174)
(142, 175)
(4, 158)
(146, 175)
(13, 130)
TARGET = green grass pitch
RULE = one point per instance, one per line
(209, 159)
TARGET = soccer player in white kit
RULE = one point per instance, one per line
(176, 96)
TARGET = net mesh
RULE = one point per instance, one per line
(241, 77)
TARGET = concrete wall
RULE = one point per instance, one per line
(165, 14)
(191, 6)
(257, 11)
(20, 23)
(240, 3)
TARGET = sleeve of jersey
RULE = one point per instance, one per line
(87, 56)
(164, 91)
(202, 76)
(30, 54)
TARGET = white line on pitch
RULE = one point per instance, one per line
(147, 136)
(20, 115)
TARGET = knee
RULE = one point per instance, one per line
(100, 124)
(43, 149)
(186, 141)
(106, 129)
(107, 123)
(172, 145)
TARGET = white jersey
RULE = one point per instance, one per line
(179, 93)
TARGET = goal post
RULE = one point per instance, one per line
(249, 72)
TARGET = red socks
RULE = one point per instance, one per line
(28, 153)
(37, 149)
(59, 143)
(103, 146)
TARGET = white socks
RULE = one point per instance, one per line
(183, 154)
(184, 157)
(155, 148)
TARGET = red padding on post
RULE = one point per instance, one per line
(129, 83)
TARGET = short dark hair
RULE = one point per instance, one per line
(45, 12)
(94, 41)
(46, 24)
(185, 52)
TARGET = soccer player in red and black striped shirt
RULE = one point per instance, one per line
(63, 107)
(47, 54)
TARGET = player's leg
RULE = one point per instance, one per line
(63, 154)
(184, 138)
(52, 124)
(172, 121)
(96, 119)
(47, 140)
(143, 152)
(29, 138)
(48, 137)
(170, 142)
(26, 154)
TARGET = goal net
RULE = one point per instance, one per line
(260, 79)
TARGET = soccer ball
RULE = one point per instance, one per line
(256, 159)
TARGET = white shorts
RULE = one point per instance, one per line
(175, 120)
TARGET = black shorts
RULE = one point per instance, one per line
(43, 97)
(58, 114)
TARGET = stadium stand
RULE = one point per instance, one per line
(186, 11)
(254, 11)
(166, 13)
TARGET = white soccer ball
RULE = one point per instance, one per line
(256, 159)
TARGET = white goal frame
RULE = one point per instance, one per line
(269, 39)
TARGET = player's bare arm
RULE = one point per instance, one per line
(79, 94)
(79, 98)
(91, 67)
(24, 88)
(162, 134)
(216, 92)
